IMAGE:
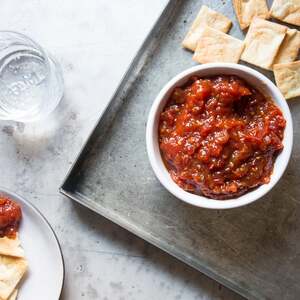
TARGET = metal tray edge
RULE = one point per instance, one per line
(132, 64)
(152, 240)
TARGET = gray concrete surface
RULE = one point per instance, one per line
(94, 41)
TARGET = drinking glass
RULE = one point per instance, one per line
(31, 82)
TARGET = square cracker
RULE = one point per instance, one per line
(287, 11)
(205, 17)
(11, 247)
(262, 42)
(14, 295)
(217, 46)
(287, 78)
(289, 48)
(247, 10)
(11, 271)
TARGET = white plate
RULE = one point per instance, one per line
(45, 276)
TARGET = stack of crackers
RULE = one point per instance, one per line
(13, 266)
(267, 44)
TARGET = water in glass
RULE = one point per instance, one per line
(31, 83)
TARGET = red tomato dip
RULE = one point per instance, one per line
(219, 136)
(10, 217)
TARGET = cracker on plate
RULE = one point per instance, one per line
(262, 42)
(217, 46)
(247, 10)
(11, 271)
(14, 295)
(205, 17)
(287, 77)
(11, 247)
(287, 11)
(289, 48)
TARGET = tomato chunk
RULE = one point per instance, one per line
(10, 217)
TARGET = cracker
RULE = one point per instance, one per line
(14, 295)
(205, 17)
(217, 46)
(287, 11)
(262, 42)
(11, 247)
(247, 10)
(11, 271)
(289, 48)
(287, 78)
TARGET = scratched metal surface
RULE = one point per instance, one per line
(254, 250)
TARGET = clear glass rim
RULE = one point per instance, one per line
(29, 39)
(49, 62)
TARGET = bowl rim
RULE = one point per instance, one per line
(201, 201)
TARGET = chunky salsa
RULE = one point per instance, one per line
(219, 136)
(10, 217)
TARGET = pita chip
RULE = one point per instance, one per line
(217, 46)
(287, 77)
(11, 247)
(262, 42)
(11, 271)
(287, 11)
(14, 295)
(289, 48)
(247, 10)
(205, 17)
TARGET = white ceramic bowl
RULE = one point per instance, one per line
(255, 79)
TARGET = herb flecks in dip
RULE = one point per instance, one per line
(220, 137)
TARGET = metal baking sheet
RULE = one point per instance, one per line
(254, 250)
